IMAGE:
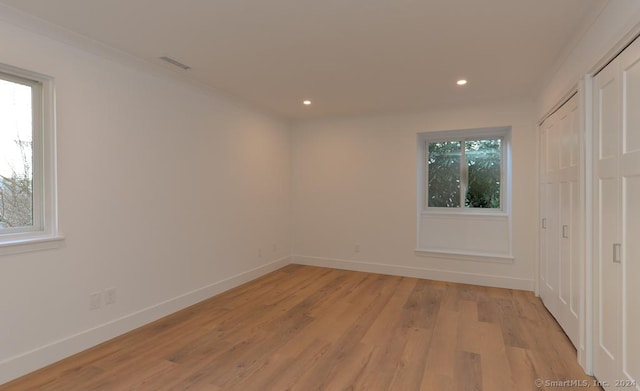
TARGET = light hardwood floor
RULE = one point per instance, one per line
(308, 328)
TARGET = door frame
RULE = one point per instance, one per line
(585, 352)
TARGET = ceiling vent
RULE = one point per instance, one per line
(175, 62)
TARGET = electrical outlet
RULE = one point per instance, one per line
(356, 248)
(110, 296)
(275, 247)
(95, 301)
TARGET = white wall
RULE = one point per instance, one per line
(165, 192)
(354, 182)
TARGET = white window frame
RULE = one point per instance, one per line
(503, 133)
(45, 214)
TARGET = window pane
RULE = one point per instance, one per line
(444, 174)
(16, 164)
(483, 162)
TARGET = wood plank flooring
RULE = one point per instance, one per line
(308, 328)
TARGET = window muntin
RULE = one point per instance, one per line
(465, 172)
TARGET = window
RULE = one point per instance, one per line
(464, 172)
(464, 206)
(27, 164)
(464, 169)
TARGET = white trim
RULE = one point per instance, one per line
(622, 43)
(27, 362)
(565, 98)
(585, 355)
(464, 212)
(468, 134)
(536, 266)
(36, 243)
(420, 171)
(472, 256)
(588, 220)
(415, 272)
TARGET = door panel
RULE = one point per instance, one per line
(565, 248)
(608, 131)
(553, 254)
(609, 273)
(565, 139)
(576, 259)
(547, 251)
(574, 144)
(632, 114)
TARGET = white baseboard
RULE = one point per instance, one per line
(406, 271)
(27, 362)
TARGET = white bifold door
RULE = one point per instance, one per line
(560, 266)
(616, 218)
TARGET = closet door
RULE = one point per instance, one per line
(606, 217)
(617, 221)
(560, 234)
(630, 189)
(570, 221)
(548, 208)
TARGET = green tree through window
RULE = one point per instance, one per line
(444, 174)
(16, 150)
(474, 172)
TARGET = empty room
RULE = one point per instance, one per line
(338, 195)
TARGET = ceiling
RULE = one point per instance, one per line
(346, 56)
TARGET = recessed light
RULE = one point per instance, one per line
(461, 82)
(306, 102)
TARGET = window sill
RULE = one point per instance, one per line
(464, 212)
(28, 244)
(466, 256)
